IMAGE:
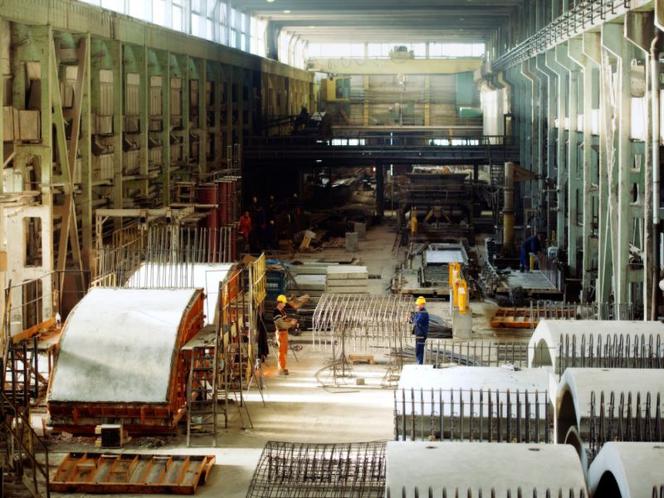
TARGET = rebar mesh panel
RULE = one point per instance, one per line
(311, 470)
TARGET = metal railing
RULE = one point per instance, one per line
(585, 15)
(433, 139)
(472, 415)
(624, 417)
(440, 352)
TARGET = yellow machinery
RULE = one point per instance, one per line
(458, 288)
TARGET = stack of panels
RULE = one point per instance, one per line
(347, 279)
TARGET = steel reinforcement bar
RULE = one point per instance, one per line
(615, 351)
(625, 417)
(472, 415)
(310, 470)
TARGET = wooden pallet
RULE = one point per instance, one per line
(126, 473)
(361, 358)
(527, 318)
(513, 318)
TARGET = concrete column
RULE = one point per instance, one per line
(640, 33)
(558, 100)
(380, 191)
(617, 49)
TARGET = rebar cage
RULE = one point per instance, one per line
(311, 470)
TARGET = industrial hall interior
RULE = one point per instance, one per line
(332, 248)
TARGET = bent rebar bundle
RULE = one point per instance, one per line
(615, 351)
(361, 322)
(301, 470)
(472, 415)
(627, 417)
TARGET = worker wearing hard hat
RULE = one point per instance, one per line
(420, 320)
(282, 324)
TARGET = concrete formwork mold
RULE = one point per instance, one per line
(120, 361)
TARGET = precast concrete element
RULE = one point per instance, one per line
(594, 406)
(419, 468)
(628, 470)
(473, 403)
(561, 344)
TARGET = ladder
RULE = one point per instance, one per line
(203, 389)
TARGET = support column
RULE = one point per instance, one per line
(572, 156)
(617, 48)
(380, 191)
(639, 32)
(559, 105)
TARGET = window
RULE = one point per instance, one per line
(212, 20)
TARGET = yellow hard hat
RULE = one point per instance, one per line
(282, 299)
(420, 301)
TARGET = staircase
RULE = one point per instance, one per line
(23, 454)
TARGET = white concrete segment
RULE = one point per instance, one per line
(118, 346)
(444, 256)
(551, 333)
(206, 276)
(636, 467)
(582, 382)
(484, 466)
(463, 380)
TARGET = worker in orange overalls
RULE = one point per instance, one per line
(282, 324)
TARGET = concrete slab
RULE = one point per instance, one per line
(310, 282)
(343, 272)
(118, 344)
(481, 466)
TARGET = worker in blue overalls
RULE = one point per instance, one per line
(420, 321)
(532, 245)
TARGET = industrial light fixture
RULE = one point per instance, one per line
(287, 11)
(269, 1)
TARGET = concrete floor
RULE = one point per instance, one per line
(297, 408)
